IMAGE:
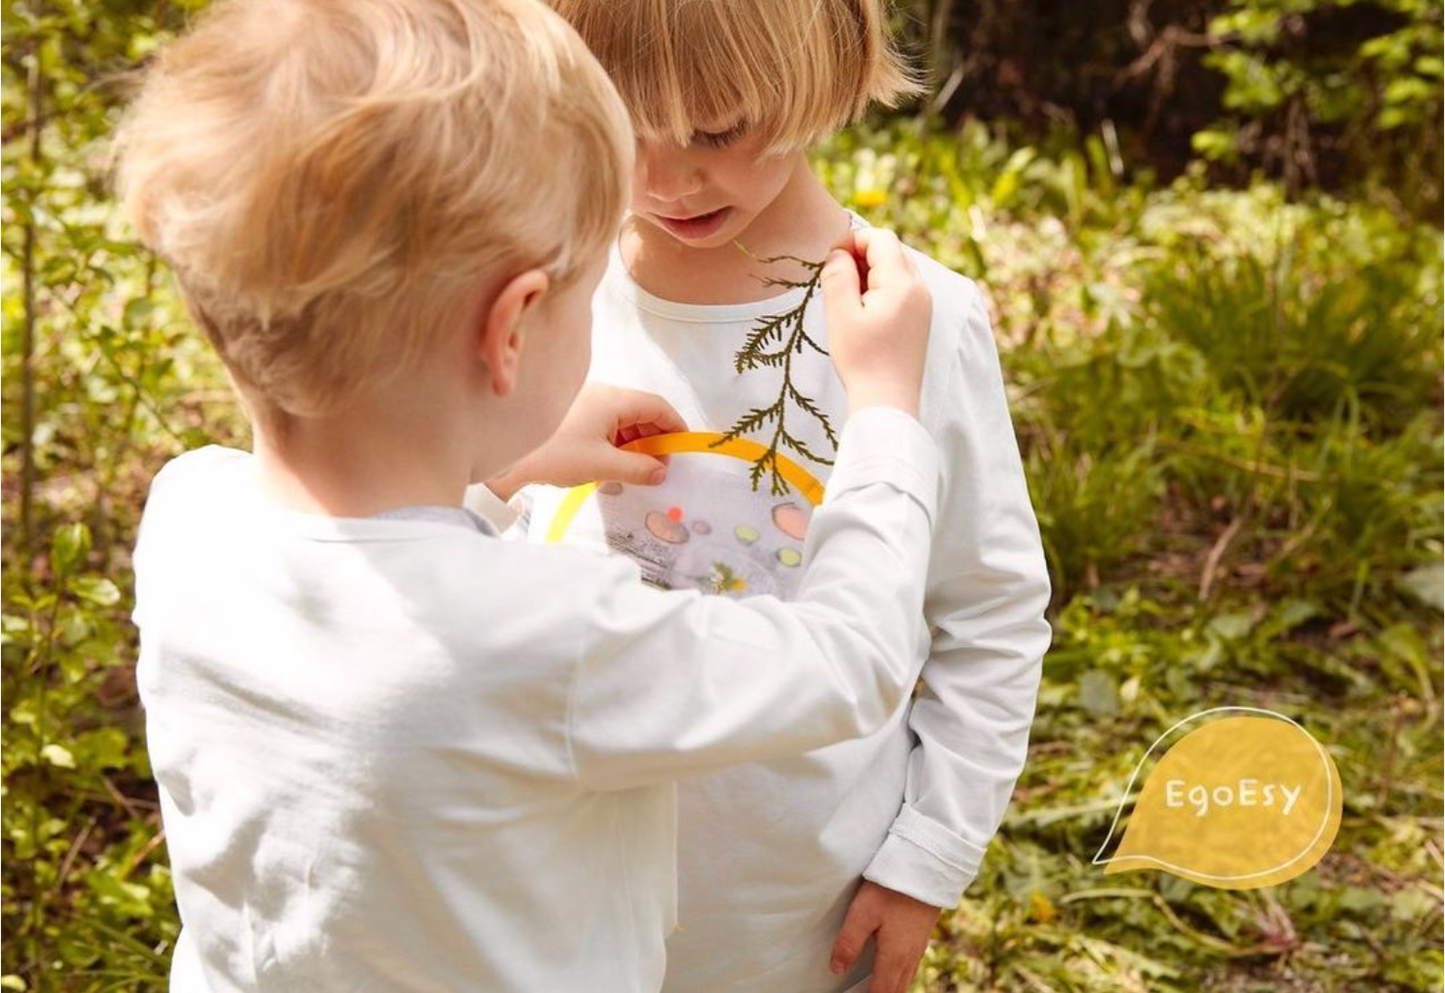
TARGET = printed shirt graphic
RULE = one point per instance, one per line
(704, 528)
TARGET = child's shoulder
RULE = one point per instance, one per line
(961, 329)
(956, 298)
(200, 461)
(198, 469)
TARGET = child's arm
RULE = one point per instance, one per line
(986, 600)
(675, 683)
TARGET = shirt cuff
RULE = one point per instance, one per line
(479, 499)
(925, 860)
(886, 445)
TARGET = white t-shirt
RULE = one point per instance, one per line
(771, 853)
(403, 754)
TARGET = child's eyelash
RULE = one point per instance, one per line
(720, 139)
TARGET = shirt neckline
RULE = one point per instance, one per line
(704, 313)
(243, 488)
(439, 514)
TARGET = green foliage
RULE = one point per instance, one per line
(1293, 91)
(1334, 94)
(85, 891)
(1229, 410)
(98, 348)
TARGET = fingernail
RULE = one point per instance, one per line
(837, 968)
(658, 475)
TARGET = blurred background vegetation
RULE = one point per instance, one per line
(1210, 232)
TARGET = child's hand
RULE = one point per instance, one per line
(878, 332)
(584, 448)
(898, 923)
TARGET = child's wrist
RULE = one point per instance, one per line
(897, 396)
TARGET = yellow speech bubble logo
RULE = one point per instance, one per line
(1241, 802)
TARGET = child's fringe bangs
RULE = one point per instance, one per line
(794, 70)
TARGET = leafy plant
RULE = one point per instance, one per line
(1293, 91)
(772, 344)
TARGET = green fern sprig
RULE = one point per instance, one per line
(771, 344)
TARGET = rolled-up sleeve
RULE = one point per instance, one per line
(987, 595)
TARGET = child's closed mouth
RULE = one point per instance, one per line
(696, 227)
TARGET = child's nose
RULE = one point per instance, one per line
(667, 175)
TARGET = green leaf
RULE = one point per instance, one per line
(103, 748)
(1098, 694)
(1234, 625)
(58, 755)
(69, 548)
(1289, 615)
(95, 589)
(1408, 90)
(1358, 900)
(1425, 583)
(1413, 904)
(130, 899)
(1430, 65)
(138, 312)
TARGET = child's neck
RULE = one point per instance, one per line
(354, 465)
(803, 221)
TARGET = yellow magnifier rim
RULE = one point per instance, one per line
(690, 442)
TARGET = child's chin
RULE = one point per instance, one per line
(718, 240)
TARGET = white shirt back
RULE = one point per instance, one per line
(363, 758)
(401, 754)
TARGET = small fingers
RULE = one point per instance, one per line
(859, 924)
(906, 972)
(664, 419)
(627, 433)
(880, 246)
(631, 467)
(848, 241)
(890, 974)
(841, 282)
(638, 414)
(649, 409)
(887, 963)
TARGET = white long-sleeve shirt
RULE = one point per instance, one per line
(402, 754)
(771, 853)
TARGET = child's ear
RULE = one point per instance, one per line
(502, 327)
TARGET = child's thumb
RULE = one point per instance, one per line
(632, 467)
(842, 290)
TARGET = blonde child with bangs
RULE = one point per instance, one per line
(726, 96)
(393, 751)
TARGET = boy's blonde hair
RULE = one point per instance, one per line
(333, 180)
(793, 70)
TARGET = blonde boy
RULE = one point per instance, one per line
(726, 95)
(394, 752)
